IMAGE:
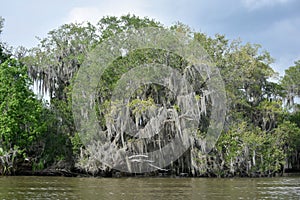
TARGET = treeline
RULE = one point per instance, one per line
(261, 136)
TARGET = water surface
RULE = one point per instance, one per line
(22, 187)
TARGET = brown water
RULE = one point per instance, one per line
(148, 188)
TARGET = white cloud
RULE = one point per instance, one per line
(111, 8)
(257, 4)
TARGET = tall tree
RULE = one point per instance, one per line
(3, 54)
(56, 59)
(20, 110)
(291, 84)
(254, 102)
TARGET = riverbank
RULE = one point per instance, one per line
(213, 168)
(57, 170)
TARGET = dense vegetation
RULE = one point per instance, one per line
(261, 136)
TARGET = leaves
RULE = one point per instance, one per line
(20, 110)
(259, 136)
(291, 84)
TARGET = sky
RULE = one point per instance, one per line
(275, 24)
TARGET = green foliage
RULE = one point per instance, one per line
(57, 57)
(3, 53)
(109, 26)
(248, 150)
(38, 166)
(56, 139)
(295, 117)
(270, 113)
(76, 144)
(246, 71)
(289, 134)
(260, 134)
(291, 83)
(139, 106)
(20, 110)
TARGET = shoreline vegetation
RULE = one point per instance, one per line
(261, 135)
(52, 171)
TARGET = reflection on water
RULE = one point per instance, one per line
(148, 188)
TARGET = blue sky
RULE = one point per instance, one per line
(275, 24)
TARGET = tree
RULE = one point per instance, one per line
(54, 62)
(255, 118)
(3, 54)
(291, 84)
(57, 58)
(1, 24)
(289, 135)
(20, 110)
